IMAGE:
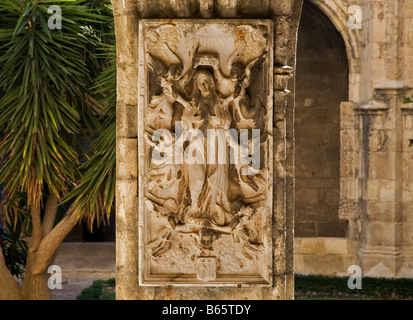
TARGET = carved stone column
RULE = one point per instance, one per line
(407, 190)
(381, 182)
(386, 79)
(350, 204)
(194, 221)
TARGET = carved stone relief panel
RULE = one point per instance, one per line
(205, 152)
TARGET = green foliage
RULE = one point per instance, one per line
(407, 100)
(57, 92)
(372, 288)
(44, 77)
(96, 190)
(13, 230)
(47, 107)
(99, 290)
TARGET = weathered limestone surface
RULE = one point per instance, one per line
(375, 140)
(205, 214)
(327, 256)
(284, 16)
(322, 84)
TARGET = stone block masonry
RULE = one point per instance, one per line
(278, 200)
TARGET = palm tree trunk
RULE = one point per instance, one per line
(42, 250)
(41, 256)
(9, 290)
(35, 285)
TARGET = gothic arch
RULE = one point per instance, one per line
(337, 12)
(322, 85)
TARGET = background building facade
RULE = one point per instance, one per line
(354, 138)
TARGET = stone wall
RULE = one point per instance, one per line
(285, 15)
(322, 255)
(375, 137)
(322, 84)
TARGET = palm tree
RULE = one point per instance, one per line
(57, 88)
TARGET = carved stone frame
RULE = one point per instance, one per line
(146, 277)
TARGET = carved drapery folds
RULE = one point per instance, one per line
(205, 152)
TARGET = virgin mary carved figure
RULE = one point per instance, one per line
(208, 177)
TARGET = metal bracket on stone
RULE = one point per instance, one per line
(282, 74)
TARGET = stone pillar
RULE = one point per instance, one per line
(383, 188)
(285, 16)
(376, 179)
(381, 183)
(350, 205)
(126, 28)
(407, 190)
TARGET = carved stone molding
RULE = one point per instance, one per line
(205, 152)
(407, 108)
(372, 107)
(392, 87)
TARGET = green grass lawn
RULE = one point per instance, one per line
(333, 288)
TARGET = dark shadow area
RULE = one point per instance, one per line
(322, 83)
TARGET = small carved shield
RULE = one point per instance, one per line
(206, 268)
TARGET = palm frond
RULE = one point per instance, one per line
(45, 81)
(96, 191)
